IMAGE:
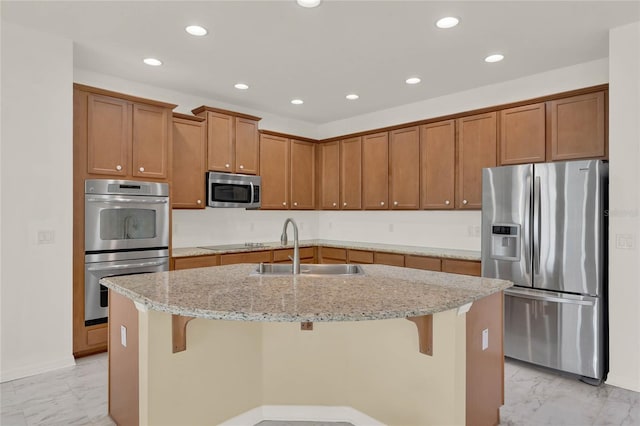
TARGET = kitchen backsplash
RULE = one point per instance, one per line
(444, 229)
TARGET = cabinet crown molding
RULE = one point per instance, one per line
(204, 108)
(124, 96)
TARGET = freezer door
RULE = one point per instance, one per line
(506, 223)
(568, 226)
(564, 332)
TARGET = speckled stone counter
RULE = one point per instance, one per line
(232, 293)
(390, 248)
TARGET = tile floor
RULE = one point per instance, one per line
(533, 396)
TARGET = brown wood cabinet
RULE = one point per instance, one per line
(246, 257)
(404, 168)
(189, 166)
(307, 255)
(577, 127)
(232, 140)
(196, 262)
(328, 155)
(360, 256)
(332, 255)
(375, 171)
(437, 165)
(274, 170)
(351, 174)
(464, 267)
(422, 262)
(391, 259)
(522, 134)
(303, 175)
(476, 149)
(124, 138)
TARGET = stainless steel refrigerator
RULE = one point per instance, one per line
(544, 227)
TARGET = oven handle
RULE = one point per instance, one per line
(127, 266)
(127, 200)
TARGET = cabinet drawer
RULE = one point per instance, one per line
(391, 259)
(333, 253)
(422, 262)
(283, 255)
(464, 267)
(360, 256)
(98, 335)
(195, 262)
(250, 257)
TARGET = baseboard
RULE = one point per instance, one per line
(315, 413)
(624, 382)
(33, 369)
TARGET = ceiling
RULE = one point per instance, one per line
(283, 51)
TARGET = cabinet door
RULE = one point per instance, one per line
(329, 175)
(522, 134)
(303, 172)
(577, 127)
(189, 167)
(464, 267)
(476, 150)
(220, 135)
(151, 139)
(195, 262)
(108, 135)
(375, 171)
(351, 174)
(274, 170)
(404, 168)
(247, 257)
(246, 146)
(437, 165)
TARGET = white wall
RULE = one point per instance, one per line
(624, 203)
(36, 191)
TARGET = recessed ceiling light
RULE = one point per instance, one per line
(241, 86)
(153, 62)
(308, 3)
(494, 58)
(447, 22)
(352, 96)
(196, 30)
(297, 101)
(412, 80)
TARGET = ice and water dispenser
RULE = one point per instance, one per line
(505, 241)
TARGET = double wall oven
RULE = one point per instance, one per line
(126, 232)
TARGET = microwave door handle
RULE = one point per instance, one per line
(252, 193)
(126, 266)
(127, 200)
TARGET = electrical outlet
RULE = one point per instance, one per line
(485, 339)
(625, 241)
(46, 236)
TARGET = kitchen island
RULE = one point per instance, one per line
(322, 341)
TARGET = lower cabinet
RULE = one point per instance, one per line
(463, 267)
(246, 257)
(332, 255)
(423, 262)
(307, 255)
(195, 262)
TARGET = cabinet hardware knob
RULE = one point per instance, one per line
(199, 201)
(295, 204)
(395, 203)
(464, 201)
(447, 202)
(335, 204)
(241, 166)
(284, 203)
(382, 203)
(118, 167)
(227, 165)
(344, 204)
(141, 169)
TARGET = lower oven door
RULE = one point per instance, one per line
(96, 298)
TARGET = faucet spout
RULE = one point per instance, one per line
(296, 246)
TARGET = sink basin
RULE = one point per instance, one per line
(308, 269)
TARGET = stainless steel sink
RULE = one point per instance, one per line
(311, 269)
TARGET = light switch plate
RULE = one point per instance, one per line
(123, 335)
(485, 339)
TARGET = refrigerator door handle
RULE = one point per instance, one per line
(536, 225)
(574, 300)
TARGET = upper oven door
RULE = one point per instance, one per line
(126, 222)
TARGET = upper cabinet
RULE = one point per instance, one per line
(303, 174)
(375, 171)
(123, 136)
(522, 134)
(577, 127)
(351, 173)
(232, 140)
(328, 156)
(189, 162)
(437, 165)
(476, 150)
(274, 170)
(404, 168)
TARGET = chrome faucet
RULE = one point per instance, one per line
(296, 247)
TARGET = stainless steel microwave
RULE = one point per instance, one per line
(233, 190)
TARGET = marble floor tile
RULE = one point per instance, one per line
(533, 396)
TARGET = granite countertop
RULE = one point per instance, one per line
(390, 248)
(232, 293)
